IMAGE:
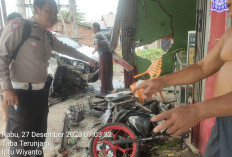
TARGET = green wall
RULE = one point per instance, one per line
(154, 24)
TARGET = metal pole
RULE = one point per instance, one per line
(4, 13)
(1, 22)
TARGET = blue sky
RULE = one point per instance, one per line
(92, 8)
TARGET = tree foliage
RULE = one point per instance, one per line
(151, 54)
(80, 17)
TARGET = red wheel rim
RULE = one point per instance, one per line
(115, 130)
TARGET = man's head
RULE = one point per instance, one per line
(229, 6)
(96, 27)
(45, 13)
(13, 15)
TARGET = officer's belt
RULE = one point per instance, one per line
(28, 86)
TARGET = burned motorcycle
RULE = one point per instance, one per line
(128, 128)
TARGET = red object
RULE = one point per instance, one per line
(217, 29)
(117, 131)
(15, 25)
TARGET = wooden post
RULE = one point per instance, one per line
(73, 17)
(1, 21)
(62, 20)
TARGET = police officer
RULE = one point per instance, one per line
(22, 80)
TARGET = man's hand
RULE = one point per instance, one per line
(177, 120)
(150, 87)
(10, 97)
(92, 63)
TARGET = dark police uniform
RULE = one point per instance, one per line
(27, 75)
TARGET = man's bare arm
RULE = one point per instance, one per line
(182, 118)
(216, 107)
(204, 68)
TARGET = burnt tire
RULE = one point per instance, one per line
(121, 129)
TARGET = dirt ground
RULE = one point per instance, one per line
(86, 127)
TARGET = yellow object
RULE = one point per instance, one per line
(154, 71)
(138, 92)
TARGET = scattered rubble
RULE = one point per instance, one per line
(90, 124)
(114, 108)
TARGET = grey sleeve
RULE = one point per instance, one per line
(10, 39)
(68, 50)
(97, 39)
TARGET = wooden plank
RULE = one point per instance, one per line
(115, 38)
(192, 147)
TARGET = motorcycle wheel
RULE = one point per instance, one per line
(101, 146)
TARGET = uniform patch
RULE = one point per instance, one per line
(15, 25)
(34, 44)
